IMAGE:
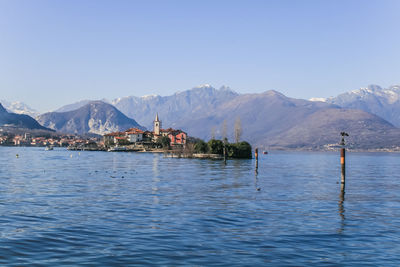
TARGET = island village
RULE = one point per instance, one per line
(132, 139)
(135, 139)
(173, 141)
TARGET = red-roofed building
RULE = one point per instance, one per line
(134, 135)
(111, 137)
(147, 138)
(176, 137)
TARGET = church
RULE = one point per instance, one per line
(176, 137)
(136, 136)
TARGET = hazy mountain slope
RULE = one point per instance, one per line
(172, 109)
(95, 117)
(323, 127)
(271, 119)
(268, 119)
(18, 120)
(74, 106)
(265, 114)
(374, 99)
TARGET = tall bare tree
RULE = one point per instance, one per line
(213, 132)
(238, 130)
(224, 130)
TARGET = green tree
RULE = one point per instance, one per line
(165, 142)
(243, 150)
(201, 147)
(216, 146)
(231, 150)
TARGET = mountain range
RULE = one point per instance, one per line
(190, 103)
(269, 119)
(272, 120)
(384, 102)
(180, 106)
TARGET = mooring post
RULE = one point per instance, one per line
(256, 156)
(343, 164)
(343, 157)
(224, 153)
(342, 187)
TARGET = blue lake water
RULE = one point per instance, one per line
(118, 209)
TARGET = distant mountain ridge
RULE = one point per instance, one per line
(366, 130)
(267, 113)
(76, 105)
(193, 102)
(95, 117)
(190, 103)
(384, 102)
(272, 120)
(18, 120)
(269, 119)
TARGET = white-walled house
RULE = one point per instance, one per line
(134, 135)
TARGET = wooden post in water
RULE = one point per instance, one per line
(343, 164)
(343, 157)
(224, 153)
(256, 156)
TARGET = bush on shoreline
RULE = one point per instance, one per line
(240, 150)
(215, 147)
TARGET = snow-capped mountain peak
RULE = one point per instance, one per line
(149, 96)
(316, 99)
(384, 102)
(19, 107)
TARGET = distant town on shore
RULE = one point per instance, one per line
(137, 140)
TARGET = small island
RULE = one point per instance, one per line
(174, 143)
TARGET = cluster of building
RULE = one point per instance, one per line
(58, 141)
(134, 137)
(177, 138)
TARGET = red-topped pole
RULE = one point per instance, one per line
(343, 164)
(343, 158)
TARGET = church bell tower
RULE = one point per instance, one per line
(157, 125)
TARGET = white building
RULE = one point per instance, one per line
(134, 135)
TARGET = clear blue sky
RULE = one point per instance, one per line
(57, 52)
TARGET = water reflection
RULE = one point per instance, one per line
(154, 212)
(256, 180)
(156, 179)
(341, 208)
(156, 171)
(237, 169)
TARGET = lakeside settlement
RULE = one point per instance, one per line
(135, 139)
(173, 142)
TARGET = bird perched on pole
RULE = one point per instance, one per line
(343, 134)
